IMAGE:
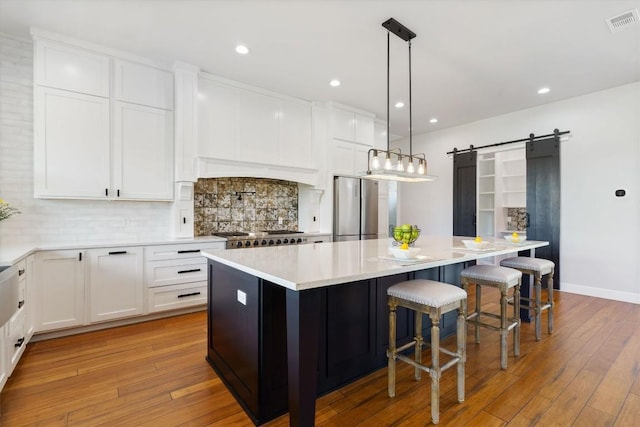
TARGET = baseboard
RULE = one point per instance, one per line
(600, 293)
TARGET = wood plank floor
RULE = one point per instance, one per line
(154, 374)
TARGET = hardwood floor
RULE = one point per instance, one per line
(154, 374)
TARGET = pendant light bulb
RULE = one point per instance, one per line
(410, 166)
(375, 163)
(387, 163)
(421, 167)
(400, 167)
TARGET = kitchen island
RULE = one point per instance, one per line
(286, 324)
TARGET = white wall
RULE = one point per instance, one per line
(600, 233)
(49, 221)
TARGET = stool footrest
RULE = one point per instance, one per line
(428, 369)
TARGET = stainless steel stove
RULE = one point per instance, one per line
(239, 240)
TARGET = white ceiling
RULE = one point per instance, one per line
(471, 59)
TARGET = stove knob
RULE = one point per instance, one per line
(256, 243)
(299, 240)
(239, 245)
(264, 242)
(271, 242)
(278, 242)
(247, 243)
(293, 241)
(285, 241)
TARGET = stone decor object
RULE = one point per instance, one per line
(244, 204)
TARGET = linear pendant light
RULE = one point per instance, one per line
(399, 172)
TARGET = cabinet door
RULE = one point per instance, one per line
(464, 194)
(258, 130)
(71, 154)
(115, 283)
(143, 153)
(58, 290)
(144, 85)
(218, 106)
(65, 67)
(361, 158)
(3, 363)
(342, 158)
(295, 134)
(343, 124)
(364, 130)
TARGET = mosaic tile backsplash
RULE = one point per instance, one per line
(518, 219)
(244, 204)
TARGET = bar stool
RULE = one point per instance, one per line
(537, 267)
(433, 299)
(503, 279)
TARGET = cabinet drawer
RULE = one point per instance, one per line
(172, 272)
(178, 251)
(16, 340)
(177, 296)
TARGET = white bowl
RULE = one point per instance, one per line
(519, 239)
(399, 253)
(472, 244)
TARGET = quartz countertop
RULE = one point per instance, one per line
(10, 254)
(301, 267)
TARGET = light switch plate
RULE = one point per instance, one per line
(242, 297)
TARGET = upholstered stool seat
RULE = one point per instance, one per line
(537, 267)
(503, 279)
(433, 299)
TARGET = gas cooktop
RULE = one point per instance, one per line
(240, 239)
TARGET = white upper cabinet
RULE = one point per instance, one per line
(295, 134)
(70, 68)
(93, 144)
(142, 152)
(144, 85)
(344, 124)
(71, 154)
(364, 130)
(258, 130)
(218, 120)
(243, 125)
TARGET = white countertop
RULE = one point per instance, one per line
(316, 265)
(10, 254)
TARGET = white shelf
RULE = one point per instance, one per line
(487, 193)
(514, 191)
(486, 210)
(487, 176)
(521, 159)
(519, 175)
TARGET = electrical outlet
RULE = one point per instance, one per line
(280, 220)
(242, 297)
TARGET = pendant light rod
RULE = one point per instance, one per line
(388, 63)
(410, 110)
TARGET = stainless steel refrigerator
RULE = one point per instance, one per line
(355, 209)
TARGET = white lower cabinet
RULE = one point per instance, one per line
(115, 283)
(3, 364)
(58, 290)
(176, 275)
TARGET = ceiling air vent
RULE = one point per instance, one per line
(620, 22)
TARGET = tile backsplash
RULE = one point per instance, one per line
(518, 219)
(244, 204)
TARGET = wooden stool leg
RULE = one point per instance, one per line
(461, 335)
(538, 304)
(435, 369)
(516, 318)
(550, 299)
(391, 353)
(418, 344)
(503, 329)
(477, 311)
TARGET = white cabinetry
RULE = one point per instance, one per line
(176, 275)
(94, 144)
(239, 124)
(348, 158)
(486, 195)
(3, 357)
(58, 290)
(352, 137)
(115, 283)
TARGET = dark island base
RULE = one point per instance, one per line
(247, 344)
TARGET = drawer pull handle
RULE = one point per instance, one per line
(117, 253)
(189, 251)
(21, 272)
(192, 294)
(19, 342)
(189, 271)
(20, 304)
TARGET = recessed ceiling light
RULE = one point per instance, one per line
(399, 104)
(434, 120)
(543, 90)
(242, 49)
(335, 82)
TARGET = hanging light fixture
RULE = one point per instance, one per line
(388, 172)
